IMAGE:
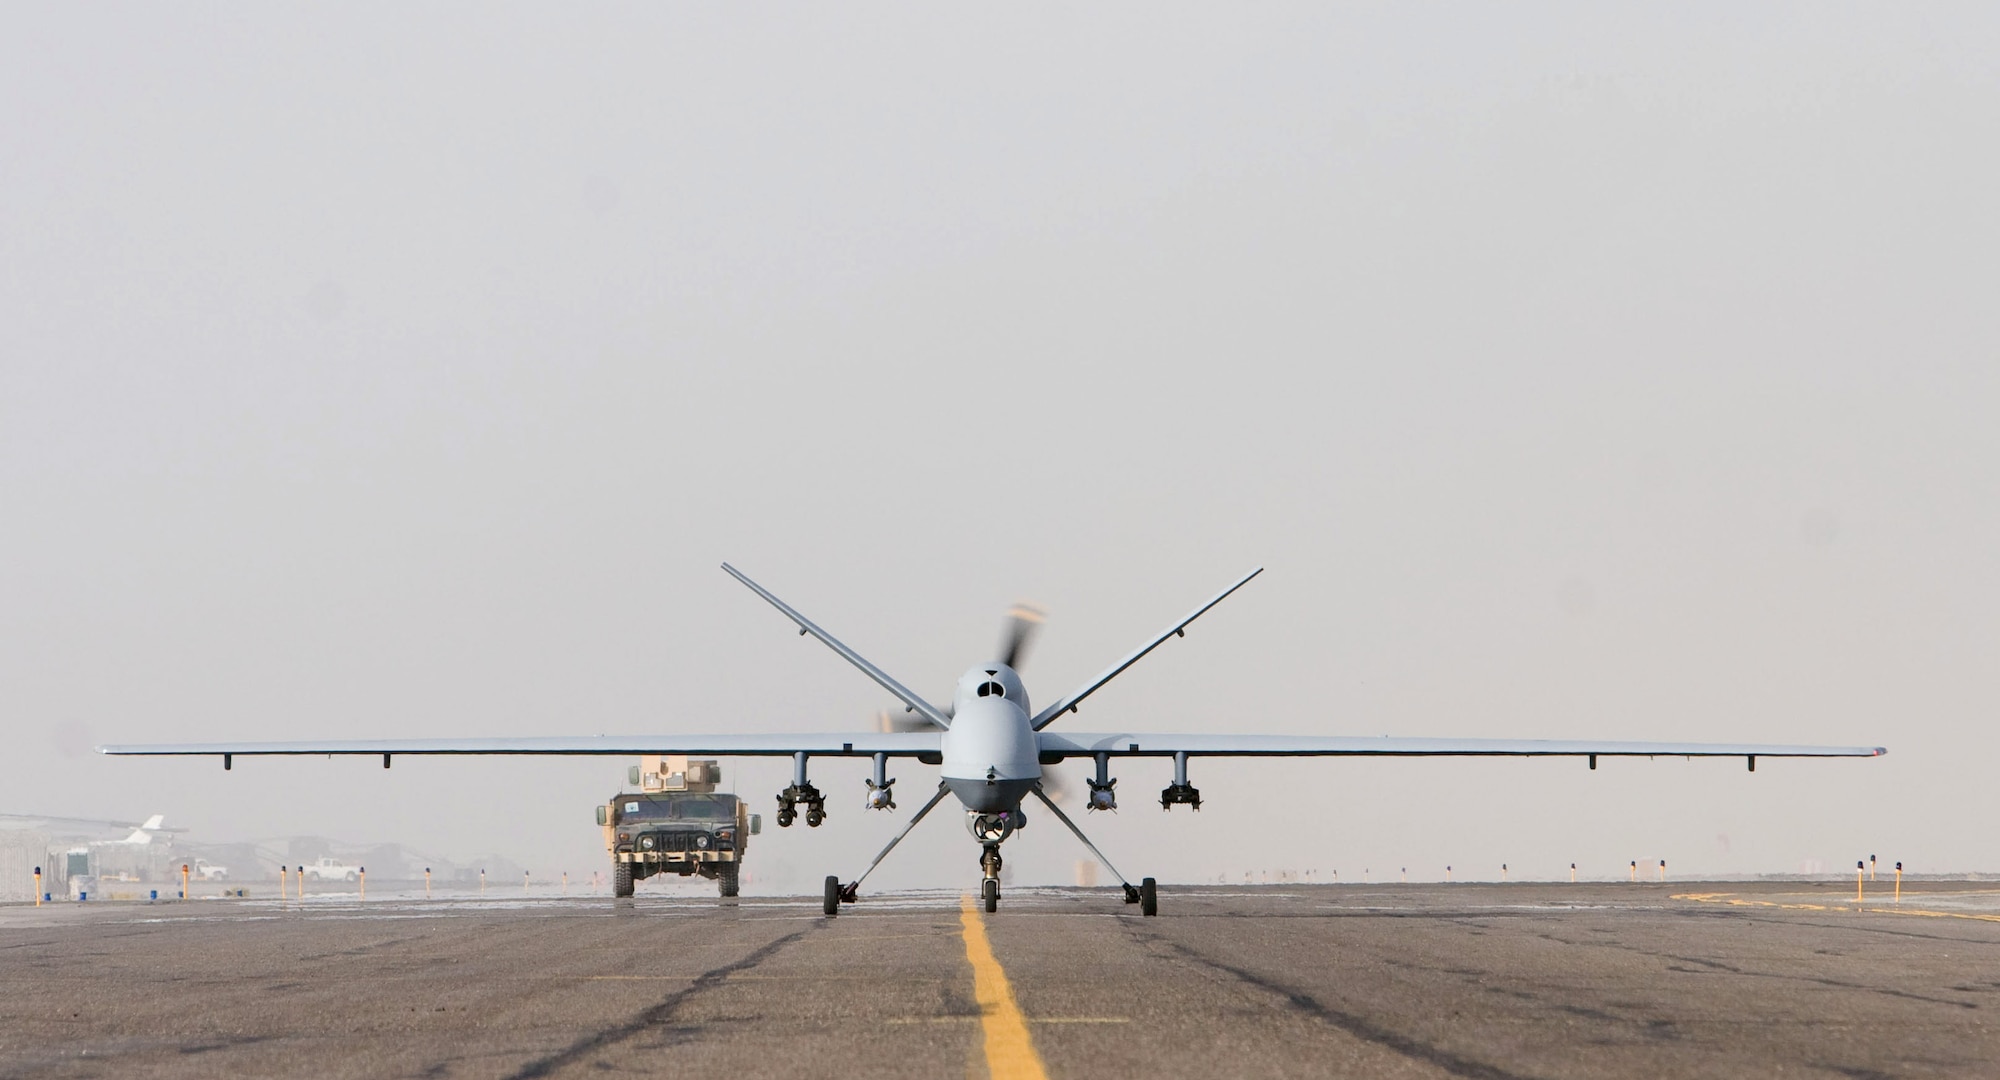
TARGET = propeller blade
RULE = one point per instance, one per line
(1055, 784)
(1022, 622)
(901, 721)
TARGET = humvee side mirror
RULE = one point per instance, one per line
(756, 824)
(632, 776)
(603, 814)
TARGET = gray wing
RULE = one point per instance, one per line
(1161, 744)
(736, 744)
(882, 678)
(1068, 703)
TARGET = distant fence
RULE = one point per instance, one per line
(21, 850)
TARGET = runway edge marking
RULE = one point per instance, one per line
(1010, 1051)
(1734, 901)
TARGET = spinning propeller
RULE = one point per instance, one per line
(1023, 622)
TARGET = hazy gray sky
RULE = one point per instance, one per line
(1576, 371)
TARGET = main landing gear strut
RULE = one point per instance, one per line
(991, 830)
(1146, 894)
(838, 894)
(801, 791)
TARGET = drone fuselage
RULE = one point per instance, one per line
(991, 756)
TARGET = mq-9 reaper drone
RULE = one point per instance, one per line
(991, 745)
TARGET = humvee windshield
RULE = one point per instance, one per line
(704, 808)
(682, 807)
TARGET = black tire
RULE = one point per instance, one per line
(726, 879)
(832, 895)
(621, 879)
(992, 892)
(1149, 897)
(350, 875)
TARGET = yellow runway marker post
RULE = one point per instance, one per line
(1010, 1052)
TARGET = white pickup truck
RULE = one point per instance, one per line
(330, 869)
(208, 871)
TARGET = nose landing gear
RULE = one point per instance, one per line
(989, 869)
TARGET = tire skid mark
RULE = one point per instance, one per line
(1696, 965)
(654, 1017)
(1357, 1026)
(358, 950)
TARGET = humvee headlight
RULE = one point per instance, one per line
(702, 842)
(646, 842)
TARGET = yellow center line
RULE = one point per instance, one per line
(1734, 901)
(1031, 1020)
(1010, 1052)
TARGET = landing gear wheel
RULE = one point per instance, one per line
(621, 879)
(832, 895)
(1149, 897)
(992, 891)
(726, 878)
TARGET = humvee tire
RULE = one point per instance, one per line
(1149, 897)
(726, 878)
(621, 879)
(832, 895)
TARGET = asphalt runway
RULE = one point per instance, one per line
(1488, 981)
